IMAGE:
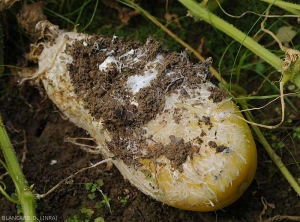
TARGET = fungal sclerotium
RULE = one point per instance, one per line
(171, 132)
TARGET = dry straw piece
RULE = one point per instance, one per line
(171, 132)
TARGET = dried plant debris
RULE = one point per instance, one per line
(6, 4)
(30, 15)
(125, 14)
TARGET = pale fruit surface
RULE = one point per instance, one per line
(170, 131)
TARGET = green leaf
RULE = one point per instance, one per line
(88, 212)
(98, 205)
(94, 188)
(92, 196)
(88, 186)
(99, 219)
(100, 182)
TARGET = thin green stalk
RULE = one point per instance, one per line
(94, 12)
(2, 191)
(24, 193)
(290, 7)
(59, 16)
(202, 13)
(81, 10)
(275, 158)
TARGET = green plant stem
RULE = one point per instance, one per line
(290, 7)
(25, 195)
(202, 13)
(275, 158)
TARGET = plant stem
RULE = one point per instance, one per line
(275, 158)
(290, 7)
(25, 195)
(202, 13)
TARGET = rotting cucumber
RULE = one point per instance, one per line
(170, 131)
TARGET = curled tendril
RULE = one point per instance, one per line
(2, 191)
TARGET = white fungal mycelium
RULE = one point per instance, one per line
(172, 133)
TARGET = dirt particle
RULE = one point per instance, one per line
(203, 134)
(198, 140)
(206, 120)
(212, 144)
(217, 95)
(176, 151)
(222, 148)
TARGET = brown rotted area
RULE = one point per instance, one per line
(106, 96)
